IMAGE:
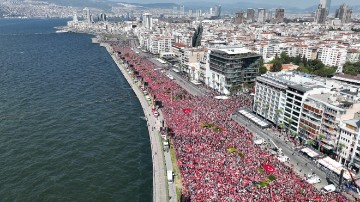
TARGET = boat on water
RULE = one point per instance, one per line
(61, 31)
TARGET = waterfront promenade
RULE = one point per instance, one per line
(159, 170)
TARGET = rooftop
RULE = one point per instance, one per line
(235, 51)
(353, 122)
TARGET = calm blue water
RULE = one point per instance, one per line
(70, 125)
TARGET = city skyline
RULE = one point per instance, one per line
(299, 4)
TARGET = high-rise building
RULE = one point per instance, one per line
(269, 15)
(87, 15)
(217, 10)
(182, 10)
(211, 11)
(102, 17)
(239, 17)
(279, 15)
(326, 4)
(190, 13)
(261, 15)
(231, 67)
(250, 15)
(147, 20)
(175, 11)
(344, 13)
(320, 14)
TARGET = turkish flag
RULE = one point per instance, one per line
(269, 168)
(187, 110)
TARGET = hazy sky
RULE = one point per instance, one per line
(287, 3)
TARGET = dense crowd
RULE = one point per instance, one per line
(202, 136)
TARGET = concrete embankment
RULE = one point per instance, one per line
(159, 183)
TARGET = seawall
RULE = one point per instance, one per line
(159, 170)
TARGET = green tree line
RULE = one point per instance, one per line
(307, 66)
(351, 68)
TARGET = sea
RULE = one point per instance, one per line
(71, 128)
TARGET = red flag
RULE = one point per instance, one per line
(187, 110)
(269, 168)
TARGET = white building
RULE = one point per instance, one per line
(261, 15)
(349, 143)
(148, 22)
(332, 56)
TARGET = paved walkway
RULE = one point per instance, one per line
(159, 172)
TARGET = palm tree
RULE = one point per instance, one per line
(265, 109)
(289, 121)
(304, 128)
(321, 137)
(310, 141)
(277, 113)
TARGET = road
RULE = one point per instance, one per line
(302, 165)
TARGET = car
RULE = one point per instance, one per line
(148, 98)
(313, 180)
(283, 158)
(145, 92)
(328, 188)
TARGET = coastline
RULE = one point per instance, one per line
(159, 170)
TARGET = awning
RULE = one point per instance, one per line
(334, 166)
(310, 152)
(254, 118)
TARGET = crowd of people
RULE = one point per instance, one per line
(203, 135)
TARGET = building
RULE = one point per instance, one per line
(344, 14)
(239, 17)
(349, 143)
(182, 10)
(270, 98)
(228, 68)
(87, 15)
(321, 14)
(175, 11)
(159, 44)
(102, 17)
(321, 116)
(148, 22)
(217, 11)
(326, 4)
(250, 15)
(333, 56)
(279, 15)
(261, 15)
(309, 106)
(269, 16)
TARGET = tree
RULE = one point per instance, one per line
(262, 70)
(351, 68)
(277, 66)
(277, 113)
(320, 137)
(285, 59)
(310, 141)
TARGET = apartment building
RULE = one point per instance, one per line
(332, 56)
(230, 67)
(270, 98)
(349, 144)
(159, 44)
(310, 106)
(321, 116)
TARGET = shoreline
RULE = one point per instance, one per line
(159, 171)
